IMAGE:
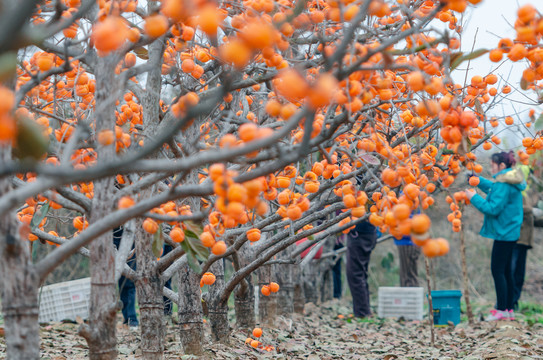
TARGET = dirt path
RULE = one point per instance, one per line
(321, 334)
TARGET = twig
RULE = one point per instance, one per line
(430, 307)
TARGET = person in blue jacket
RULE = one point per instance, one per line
(503, 214)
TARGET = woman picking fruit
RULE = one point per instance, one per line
(503, 213)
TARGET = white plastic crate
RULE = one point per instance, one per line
(406, 302)
(65, 300)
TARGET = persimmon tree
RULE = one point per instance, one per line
(229, 130)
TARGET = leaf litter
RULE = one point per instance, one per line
(326, 332)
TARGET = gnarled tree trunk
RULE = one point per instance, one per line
(218, 310)
(325, 269)
(267, 305)
(149, 284)
(299, 296)
(285, 296)
(190, 314)
(101, 331)
(244, 299)
(19, 286)
(312, 282)
(149, 287)
(244, 302)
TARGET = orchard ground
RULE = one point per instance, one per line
(328, 332)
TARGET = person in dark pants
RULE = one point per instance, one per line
(361, 242)
(503, 214)
(336, 269)
(526, 239)
(409, 254)
(127, 288)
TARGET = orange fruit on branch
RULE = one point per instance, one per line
(253, 234)
(443, 246)
(125, 202)
(420, 223)
(208, 278)
(150, 226)
(207, 238)
(265, 290)
(218, 248)
(274, 287)
(156, 25)
(474, 181)
(177, 234)
(431, 248)
(110, 34)
(401, 211)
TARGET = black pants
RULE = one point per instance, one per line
(336, 274)
(359, 249)
(500, 265)
(518, 264)
(409, 255)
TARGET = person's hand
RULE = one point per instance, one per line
(469, 193)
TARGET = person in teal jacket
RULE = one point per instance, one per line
(503, 214)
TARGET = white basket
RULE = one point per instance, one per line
(65, 301)
(406, 302)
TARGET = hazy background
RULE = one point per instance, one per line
(485, 24)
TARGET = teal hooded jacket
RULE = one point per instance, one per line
(503, 205)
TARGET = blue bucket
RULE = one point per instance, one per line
(446, 304)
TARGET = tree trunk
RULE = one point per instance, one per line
(244, 298)
(299, 297)
(430, 305)
(267, 305)
(244, 302)
(18, 280)
(465, 278)
(191, 329)
(285, 296)
(311, 283)
(218, 311)
(101, 331)
(19, 289)
(325, 268)
(149, 287)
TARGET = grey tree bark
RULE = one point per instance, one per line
(218, 311)
(149, 284)
(19, 285)
(311, 283)
(299, 296)
(244, 300)
(285, 296)
(267, 305)
(149, 287)
(325, 269)
(100, 333)
(190, 314)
